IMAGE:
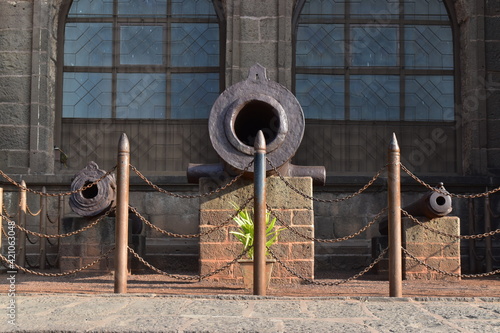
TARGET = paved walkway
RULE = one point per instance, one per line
(126, 313)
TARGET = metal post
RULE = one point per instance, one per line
(259, 264)
(394, 219)
(487, 228)
(43, 229)
(22, 222)
(121, 224)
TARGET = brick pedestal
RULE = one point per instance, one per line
(439, 251)
(221, 247)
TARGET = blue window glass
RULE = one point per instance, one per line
(375, 8)
(195, 44)
(88, 44)
(143, 8)
(87, 95)
(193, 95)
(425, 9)
(320, 45)
(140, 95)
(374, 46)
(429, 98)
(141, 59)
(374, 97)
(321, 96)
(141, 45)
(428, 47)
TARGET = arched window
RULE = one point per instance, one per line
(367, 68)
(150, 68)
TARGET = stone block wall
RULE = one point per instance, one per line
(436, 250)
(220, 247)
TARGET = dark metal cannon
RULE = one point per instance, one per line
(235, 119)
(96, 199)
(431, 205)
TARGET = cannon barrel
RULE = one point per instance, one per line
(256, 104)
(431, 205)
(96, 199)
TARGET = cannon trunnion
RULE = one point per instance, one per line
(240, 112)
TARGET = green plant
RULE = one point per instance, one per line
(245, 232)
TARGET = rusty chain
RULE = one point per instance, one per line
(461, 196)
(60, 194)
(335, 240)
(449, 273)
(186, 278)
(171, 234)
(311, 281)
(91, 225)
(26, 270)
(7, 213)
(31, 213)
(183, 196)
(361, 190)
(415, 220)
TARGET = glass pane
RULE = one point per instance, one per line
(375, 8)
(193, 95)
(323, 7)
(141, 45)
(320, 45)
(141, 95)
(428, 46)
(195, 44)
(425, 9)
(192, 7)
(374, 97)
(91, 8)
(88, 44)
(87, 95)
(374, 46)
(142, 7)
(321, 96)
(429, 98)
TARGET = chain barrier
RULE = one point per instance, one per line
(7, 213)
(486, 234)
(305, 195)
(186, 278)
(449, 273)
(8, 264)
(91, 225)
(171, 234)
(311, 281)
(461, 196)
(334, 240)
(31, 213)
(182, 196)
(60, 194)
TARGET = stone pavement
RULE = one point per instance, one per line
(226, 313)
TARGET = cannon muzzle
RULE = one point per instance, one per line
(96, 199)
(244, 109)
(431, 205)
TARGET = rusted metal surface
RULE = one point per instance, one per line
(240, 112)
(22, 222)
(394, 217)
(259, 270)
(98, 198)
(122, 208)
(43, 229)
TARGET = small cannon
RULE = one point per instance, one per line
(235, 119)
(96, 199)
(431, 205)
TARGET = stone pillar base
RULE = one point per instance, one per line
(220, 247)
(439, 251)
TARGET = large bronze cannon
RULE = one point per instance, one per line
(96, 199)
(237, 115)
